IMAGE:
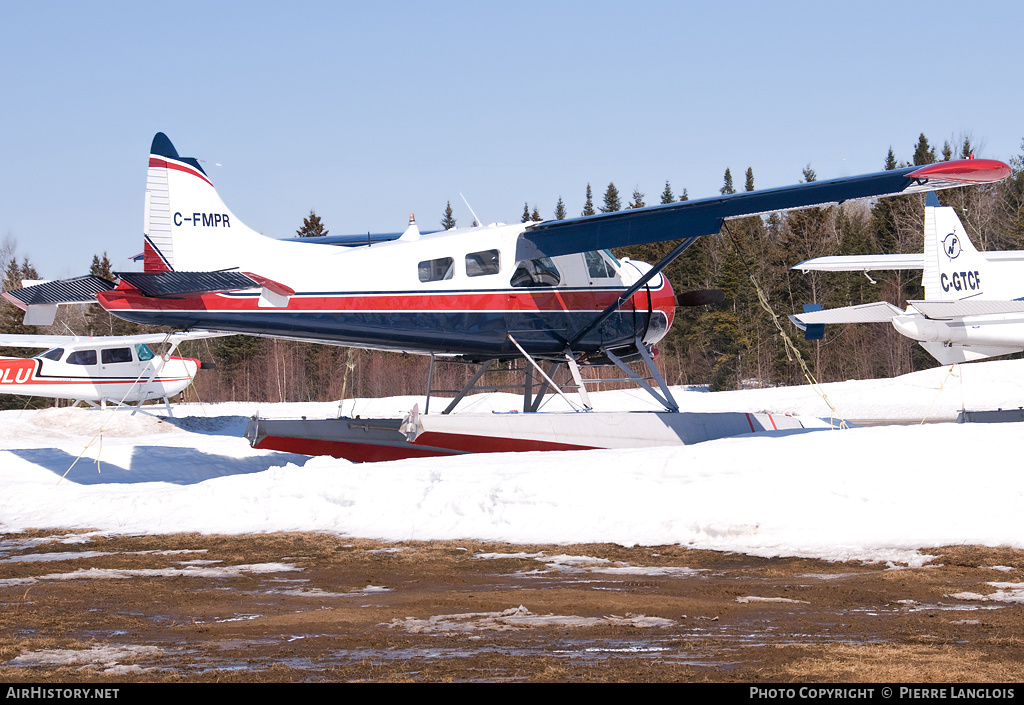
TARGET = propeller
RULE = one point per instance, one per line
(700, 297)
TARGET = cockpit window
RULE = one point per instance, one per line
(82, 357)
(55, 354)
(479, 264)
(111, 356)
(597, 266)
(144, 352)
(433, 270)
(536, 272)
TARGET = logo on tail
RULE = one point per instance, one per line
(951, 246)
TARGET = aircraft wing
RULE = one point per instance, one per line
(12, 340)
(862, 263)
(692, 219)
(869, 263)
(944, 310)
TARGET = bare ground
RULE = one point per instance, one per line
(315, 607)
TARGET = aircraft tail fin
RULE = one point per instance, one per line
(187, 226)
(953, 268)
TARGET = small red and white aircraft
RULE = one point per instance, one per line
(98, 370)
(973, 306)
(548, 291)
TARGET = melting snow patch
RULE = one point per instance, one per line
(1005, 592)
(106, 658)
(754, 598)
(235, 571)
(317, 592)
(589, 564)
(518, 618)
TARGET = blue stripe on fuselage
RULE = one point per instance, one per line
(471, 333)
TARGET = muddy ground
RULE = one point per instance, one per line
(314, 607)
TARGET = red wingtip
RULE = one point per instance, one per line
(964, 171)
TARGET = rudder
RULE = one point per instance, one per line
(187, 227)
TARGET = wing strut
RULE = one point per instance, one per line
(668, 401)
(628, 293)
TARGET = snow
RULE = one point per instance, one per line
(880, 493)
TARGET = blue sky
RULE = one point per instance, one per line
(366, 112)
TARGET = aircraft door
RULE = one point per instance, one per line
(116, 362)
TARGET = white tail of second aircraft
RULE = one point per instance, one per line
(971, 308)
(953, 268)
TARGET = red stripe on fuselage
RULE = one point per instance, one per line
(125, 298)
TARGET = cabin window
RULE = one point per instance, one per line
(54, 354)
(479, 264)
(434, 270)
(82, 357)
(112, 356)
(144, 352)
(536, 272)
(597, 266)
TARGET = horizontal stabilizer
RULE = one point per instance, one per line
(878, 312)
(80, 290)
(944, 310)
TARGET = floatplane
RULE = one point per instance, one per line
(99, 370)
(549, 293)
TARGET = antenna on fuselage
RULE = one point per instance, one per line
(475, 219)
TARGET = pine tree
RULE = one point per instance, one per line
(809, 174)
(101, 267)
(611, 199)
(560, 210)
(749, 185)
(684, 196)
(967, 151)
(923, 153)
(99, 321)
(890, 160)
(312, 226)
(448, 222)
(638, 200)
(588, 207)
(667, 196)
(526, 214)
(10, 316)
(727, 185)
(535, 215)
(947, 151)
(11, 322)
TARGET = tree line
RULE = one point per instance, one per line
(731, 345)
